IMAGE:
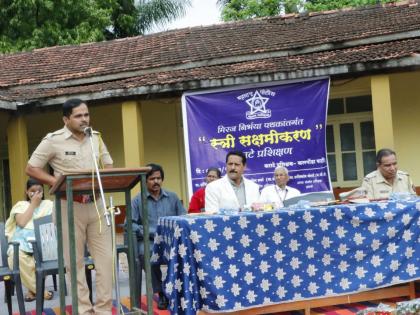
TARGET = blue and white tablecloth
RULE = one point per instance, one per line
(236, 262)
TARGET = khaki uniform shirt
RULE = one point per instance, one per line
(64, 152)
(377, 187)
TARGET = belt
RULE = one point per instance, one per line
(81, 198)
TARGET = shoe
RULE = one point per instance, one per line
(30, 296)
(48, 295)
(162, 302)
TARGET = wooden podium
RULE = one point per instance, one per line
(85, 182)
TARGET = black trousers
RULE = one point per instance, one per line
(156, 271)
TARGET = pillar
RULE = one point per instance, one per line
(382, 111)
(133, 141)
(17, 140)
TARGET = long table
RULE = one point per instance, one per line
(225, 263)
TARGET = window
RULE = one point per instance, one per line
(350, 140)
(348, 105)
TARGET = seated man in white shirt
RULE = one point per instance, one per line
(279, 192)
(233, 191)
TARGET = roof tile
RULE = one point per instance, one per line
(363, 54)
(264, 46)
(189, 45)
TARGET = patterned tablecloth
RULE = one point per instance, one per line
(226, 263)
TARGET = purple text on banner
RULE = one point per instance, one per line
(273, 125)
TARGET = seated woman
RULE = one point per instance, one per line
(198, 198)
(20, 227)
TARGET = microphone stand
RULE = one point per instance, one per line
(88, 132)
(115, 254)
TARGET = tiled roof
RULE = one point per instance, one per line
(376, 55)
(260, 46)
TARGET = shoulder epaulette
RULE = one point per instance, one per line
(369, 176)
(55, 133)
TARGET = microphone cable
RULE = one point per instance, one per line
(88, 131)
(111, 211)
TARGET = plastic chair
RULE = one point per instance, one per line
(121, 248)
(46, 258)
(45, 253)
(138, 259)
(8, 276)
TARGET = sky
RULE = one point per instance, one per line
(201, 12)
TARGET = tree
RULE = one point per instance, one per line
(245, 9)
(160, 12)
(30, 24)
(323, 5)
(130, 19)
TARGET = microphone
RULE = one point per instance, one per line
(88, 131)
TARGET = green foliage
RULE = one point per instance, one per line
(245, 9)
(323, 5)
(160, 12)
(30, 24)
(124, 17)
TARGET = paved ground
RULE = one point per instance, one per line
(123, 283)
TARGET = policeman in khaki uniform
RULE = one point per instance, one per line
(387, 178)
(65, 149)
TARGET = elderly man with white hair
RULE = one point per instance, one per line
(279, 192)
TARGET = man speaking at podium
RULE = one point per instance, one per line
(69, 149)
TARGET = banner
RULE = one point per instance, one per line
(272, 124)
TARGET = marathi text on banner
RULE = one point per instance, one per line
(273, 125)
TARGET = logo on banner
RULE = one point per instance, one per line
(257, 102)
